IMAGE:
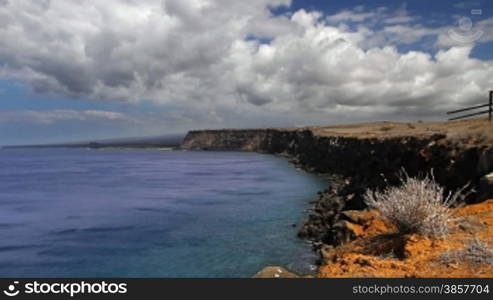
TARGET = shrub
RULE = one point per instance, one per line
(386, 128)
(477, 253)
(416, 206)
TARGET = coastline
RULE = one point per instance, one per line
(359, 157)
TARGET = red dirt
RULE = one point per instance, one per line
(379, 252)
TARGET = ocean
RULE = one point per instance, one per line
(151, 213)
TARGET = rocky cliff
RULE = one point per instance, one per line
(359, 157)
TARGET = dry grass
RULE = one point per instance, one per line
(471, 132)
(386, 128)
(477, 253)
(416, 206)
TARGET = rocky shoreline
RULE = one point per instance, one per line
(359, 157)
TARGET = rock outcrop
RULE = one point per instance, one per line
(367, 156)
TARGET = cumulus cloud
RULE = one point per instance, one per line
(224, 58)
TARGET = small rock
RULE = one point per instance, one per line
(275, 272)
(486, 187)
(364, 262)
(471, 225)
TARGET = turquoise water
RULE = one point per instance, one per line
(137, 213)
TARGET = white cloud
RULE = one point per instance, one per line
(198, 56)
(351, 16)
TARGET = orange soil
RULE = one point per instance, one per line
(377, 252)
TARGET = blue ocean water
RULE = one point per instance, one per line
(143, 213)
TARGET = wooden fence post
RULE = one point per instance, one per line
(491, 104)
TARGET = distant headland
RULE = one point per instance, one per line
(161, 142)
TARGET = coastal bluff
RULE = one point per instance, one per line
(358, 157)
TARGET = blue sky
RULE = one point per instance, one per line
(167, 67)
(435, 13)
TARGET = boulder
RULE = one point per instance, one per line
(486, 187)
(275, 272)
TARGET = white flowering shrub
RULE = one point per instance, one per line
(416, 205)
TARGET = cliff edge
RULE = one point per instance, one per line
(367, 156)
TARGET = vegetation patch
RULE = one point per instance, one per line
(477, 253)
(416, 205)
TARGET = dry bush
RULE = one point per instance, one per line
(416, 206)
(386, 128)
(477, 253)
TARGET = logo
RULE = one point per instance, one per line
(66, 288)
(11, 290)
(466, 33)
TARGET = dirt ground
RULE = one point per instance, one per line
(379, 252)
(475, 131)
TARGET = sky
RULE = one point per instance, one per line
(88, 70)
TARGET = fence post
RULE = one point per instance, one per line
(491, 104)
